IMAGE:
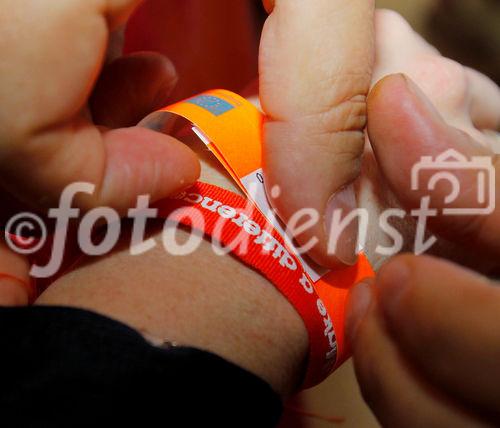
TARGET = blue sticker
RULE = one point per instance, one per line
(214, 105)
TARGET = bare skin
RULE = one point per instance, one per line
(203, 300)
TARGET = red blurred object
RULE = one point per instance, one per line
(213, 44)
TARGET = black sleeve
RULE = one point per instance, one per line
(64, 367)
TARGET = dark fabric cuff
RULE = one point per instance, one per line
(70, 367)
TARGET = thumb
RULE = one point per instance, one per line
(446, 320)
(406, 130)
(315, 72)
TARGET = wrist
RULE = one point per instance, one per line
(219, 306)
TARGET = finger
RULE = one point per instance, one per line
(130, 88)
(493, 140)
(402, 50)
(404, 127)
(446, 320)
(397, 45)
(47, 140)
(316, 62)
(485, 101)
(390, 386)
(15, 286)
(122, 164)
(51, 64)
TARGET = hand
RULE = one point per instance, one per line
(65, 116)
(426, 343)
(444, 106)
(425, 333)
(52, 59)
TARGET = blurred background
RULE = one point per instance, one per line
(220, 50)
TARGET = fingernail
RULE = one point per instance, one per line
(342, 238)
(393, 282)
(360, 299)
(420, 95)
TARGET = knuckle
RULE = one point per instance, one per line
(338, 125)
(348, 116)
(344, 149)
(445, 80)
(342, 88)
(390, 19)
(335, 124)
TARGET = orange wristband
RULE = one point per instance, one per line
(231, 127)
